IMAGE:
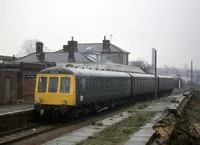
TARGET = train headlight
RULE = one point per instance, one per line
(38, 100)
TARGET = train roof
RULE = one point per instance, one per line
(142, 75)
(169, 77)
(83, 72)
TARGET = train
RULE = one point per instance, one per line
(77, 91)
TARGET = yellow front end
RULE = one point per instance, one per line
(55, 89)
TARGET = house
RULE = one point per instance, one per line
(18, 77)
(104, 52)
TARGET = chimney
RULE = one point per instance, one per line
(39, 51)
(71, 48)
(39, 47)
(65, 48)
(106, 45)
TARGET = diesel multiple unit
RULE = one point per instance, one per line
(79, 91)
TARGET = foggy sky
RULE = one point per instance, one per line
(171, 26)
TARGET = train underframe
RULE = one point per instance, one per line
(93, 107)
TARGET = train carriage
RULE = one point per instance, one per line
(166, 84)
(64, 88)
(142, 84)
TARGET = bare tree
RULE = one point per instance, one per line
(29, 47)
(142, 64)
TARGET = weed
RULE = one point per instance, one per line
(118, 132)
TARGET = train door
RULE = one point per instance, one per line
(8, 90)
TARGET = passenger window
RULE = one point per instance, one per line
(64, 85)
(53, 84)
(87, 84)
(91, 84)
(83, 84)
(42, 84)
(98, 83)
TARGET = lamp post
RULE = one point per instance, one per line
(155, 53)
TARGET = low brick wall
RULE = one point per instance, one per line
(18, 119)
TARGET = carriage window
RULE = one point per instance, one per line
(91, 84)
(64, 84)
(84, 84)
(42, 84)
(53, 84)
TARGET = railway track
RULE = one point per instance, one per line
(26, 132)
(20, 134)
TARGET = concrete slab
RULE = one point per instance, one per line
(76, 136)
(72, 138)
(148, 130)
(82, 133)
(91, 130)
(134, 143)
(143, 134)
(15, 108)
(57, 142)
(139, 139)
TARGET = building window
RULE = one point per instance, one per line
(64, 85)
(53, 84)
(42, 84)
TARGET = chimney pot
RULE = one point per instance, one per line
(72, 47)
(106, 45)
(39, 47)
(65, 48)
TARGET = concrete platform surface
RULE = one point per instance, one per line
(4, 109)
(83, 133)
(142, 136)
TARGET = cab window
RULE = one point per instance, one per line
(53, 84)
(64, 84)
(42, 83)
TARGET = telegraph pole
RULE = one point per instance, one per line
(191, 72)
(3, 84)
(155, 73)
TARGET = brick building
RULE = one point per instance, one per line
(18, 81)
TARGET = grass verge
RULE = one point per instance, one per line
(118, 132)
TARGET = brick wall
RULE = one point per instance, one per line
(21, 87)
(13, 96)
(28, 86)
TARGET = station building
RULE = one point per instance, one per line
(17, 77)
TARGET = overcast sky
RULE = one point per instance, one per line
(171, 26)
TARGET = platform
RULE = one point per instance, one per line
(140, 137)
(4, 109)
